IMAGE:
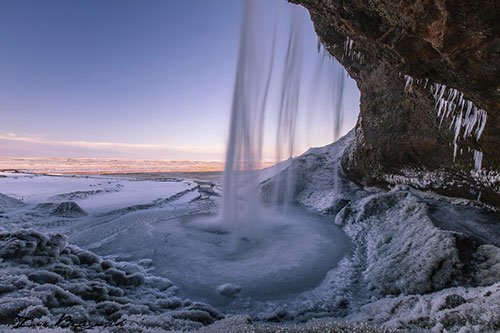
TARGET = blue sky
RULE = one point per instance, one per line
(121, 78)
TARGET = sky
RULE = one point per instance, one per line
(123, 78)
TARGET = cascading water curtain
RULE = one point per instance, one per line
(275, 69)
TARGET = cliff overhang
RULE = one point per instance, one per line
(428, 75)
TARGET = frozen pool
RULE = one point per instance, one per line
(285, 256)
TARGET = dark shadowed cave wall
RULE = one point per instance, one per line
(399, 138)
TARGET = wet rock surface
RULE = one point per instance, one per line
(398, 132)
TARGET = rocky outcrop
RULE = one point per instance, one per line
(399, 137)
(68, 209)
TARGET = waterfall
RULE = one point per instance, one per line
(273, 74)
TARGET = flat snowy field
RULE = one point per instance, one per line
(140, 250)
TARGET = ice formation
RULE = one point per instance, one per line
(478, 159)
(467, 119)
(351, 53)
(409, 244)
(408, 83)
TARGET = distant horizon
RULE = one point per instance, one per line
(91, 165)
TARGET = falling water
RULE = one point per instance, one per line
(273, 74)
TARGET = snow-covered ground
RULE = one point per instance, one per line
(111, 248)
(92, 193)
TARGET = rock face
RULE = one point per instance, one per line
(399, 138)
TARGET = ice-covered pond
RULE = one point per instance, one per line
(286, 256)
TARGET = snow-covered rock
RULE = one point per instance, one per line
(43, 278)
(397, 247)
(487, 260)
(456, 309)
(228, 289)
(68, 209)
(315, 179)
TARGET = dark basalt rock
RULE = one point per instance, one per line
(69, 209)
(398, 137)
(452, 301)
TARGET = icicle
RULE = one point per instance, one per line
(436, 89)
(478, 160)
(458, 125)
(469, 108)
(449, 107)
(450, 102)
(482, 125)
(452, 121)
(443, 90)
(408, 83)
(439, 106)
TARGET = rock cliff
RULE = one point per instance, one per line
(427, 71)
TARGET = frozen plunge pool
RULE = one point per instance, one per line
(286, 256)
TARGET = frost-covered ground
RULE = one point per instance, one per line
(135, 252)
